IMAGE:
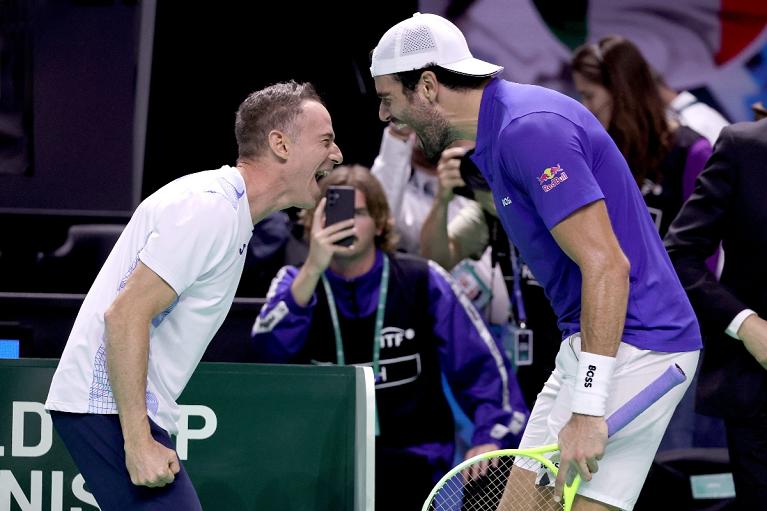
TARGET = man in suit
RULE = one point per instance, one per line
(729, 205)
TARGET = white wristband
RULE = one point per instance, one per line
(737, 322)
(592, 383)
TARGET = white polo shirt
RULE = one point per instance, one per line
(193, 233)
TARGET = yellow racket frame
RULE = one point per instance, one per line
(536, 453)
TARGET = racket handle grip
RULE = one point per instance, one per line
(672, 377)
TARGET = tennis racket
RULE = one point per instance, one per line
(530, 486)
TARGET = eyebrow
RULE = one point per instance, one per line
(383, 95)
(329, 134)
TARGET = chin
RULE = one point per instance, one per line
(307, 204)
(357, 253)
(311, 199)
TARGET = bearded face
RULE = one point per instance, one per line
(433, 130)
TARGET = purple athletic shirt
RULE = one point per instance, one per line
(545, 156)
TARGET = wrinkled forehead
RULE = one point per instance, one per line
(315, 117)
(387, 85)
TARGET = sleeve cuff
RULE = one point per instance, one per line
(494, 435)
(295, 308)
(734, 326)
(395, 149)
(503, 435)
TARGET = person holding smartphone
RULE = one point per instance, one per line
(403, 315)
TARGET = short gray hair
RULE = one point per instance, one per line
(272, 108)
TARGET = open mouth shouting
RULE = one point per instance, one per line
(320, 173)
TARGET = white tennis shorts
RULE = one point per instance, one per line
(629, 452)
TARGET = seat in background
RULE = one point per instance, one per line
(73, 266)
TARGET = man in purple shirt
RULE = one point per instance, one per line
(567, 200)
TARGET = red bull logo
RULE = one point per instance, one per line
(551, 177)
(549, 173)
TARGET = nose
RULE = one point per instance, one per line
(336, 156)
(383, 113)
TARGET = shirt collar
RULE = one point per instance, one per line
(485, 111)
(373, 273)
(683, 100)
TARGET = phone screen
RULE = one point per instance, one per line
(339, 207)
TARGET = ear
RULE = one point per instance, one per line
(430, 86)
(278, 143)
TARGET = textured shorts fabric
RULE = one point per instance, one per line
(629, 453)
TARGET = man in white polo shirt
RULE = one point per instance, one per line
(163, 292)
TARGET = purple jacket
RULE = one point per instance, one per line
(445, 332)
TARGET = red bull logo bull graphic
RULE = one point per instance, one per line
(552, 177)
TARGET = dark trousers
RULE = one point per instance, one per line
(747, 442)
(96, 445)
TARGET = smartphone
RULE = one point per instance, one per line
(339, 206)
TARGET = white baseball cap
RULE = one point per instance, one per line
(427, 39)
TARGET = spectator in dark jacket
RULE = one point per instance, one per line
(404, 315)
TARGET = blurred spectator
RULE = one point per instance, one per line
(730, 206)
(477, 228)
(616, 83)
(687, 110)
(411, 185)
(665, 157)
(404, 316)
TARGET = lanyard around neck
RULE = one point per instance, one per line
(516, 296)
(383, 290)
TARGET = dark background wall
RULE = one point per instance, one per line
(76, 72)
(206, 61)
(79, 61)
(80, 68)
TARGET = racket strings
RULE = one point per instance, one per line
(489, 492)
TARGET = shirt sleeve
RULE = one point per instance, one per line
(734, 326)
(392, 167)
(704, 119)
(475, 367)
(192, 235)
(282, 326)
(549, 158)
